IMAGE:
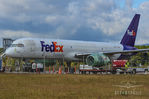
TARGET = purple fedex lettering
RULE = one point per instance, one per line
(47, 47)
(52, 48)
(42, 45)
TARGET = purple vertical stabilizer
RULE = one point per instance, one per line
(130, 34)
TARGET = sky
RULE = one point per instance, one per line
(87, 20)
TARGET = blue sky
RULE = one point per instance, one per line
(138, 2)
(135, 3)
(89, 20)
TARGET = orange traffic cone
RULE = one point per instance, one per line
(61, 69)
(59, 72)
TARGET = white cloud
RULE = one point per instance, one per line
(23, 34)
(51, 19)
(143, 33)
(129, 4)
(15, 34)
(142, 41)
(24, 10)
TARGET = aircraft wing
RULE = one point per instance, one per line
(126, 51)
(80, 55)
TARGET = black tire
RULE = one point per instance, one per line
(145, 71)
(94, 72)
(83, 72)
(113, 72)
(121, 72)
(134, 71)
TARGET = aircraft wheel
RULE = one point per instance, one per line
(134, 71)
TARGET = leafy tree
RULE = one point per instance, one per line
(142, 58)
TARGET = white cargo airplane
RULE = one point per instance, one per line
(95, 53)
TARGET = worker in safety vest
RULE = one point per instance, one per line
(127, 64)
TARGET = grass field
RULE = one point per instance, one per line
(44, 86)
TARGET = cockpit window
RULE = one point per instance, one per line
(17, 45)
(20, 45)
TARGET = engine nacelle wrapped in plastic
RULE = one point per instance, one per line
(97, 59)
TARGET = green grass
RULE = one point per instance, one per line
(44, 86)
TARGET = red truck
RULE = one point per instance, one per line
(119, 63)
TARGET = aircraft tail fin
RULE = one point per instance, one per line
(131, 32)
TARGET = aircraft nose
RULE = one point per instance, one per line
(8, 52)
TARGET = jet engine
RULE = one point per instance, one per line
(97, 59)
